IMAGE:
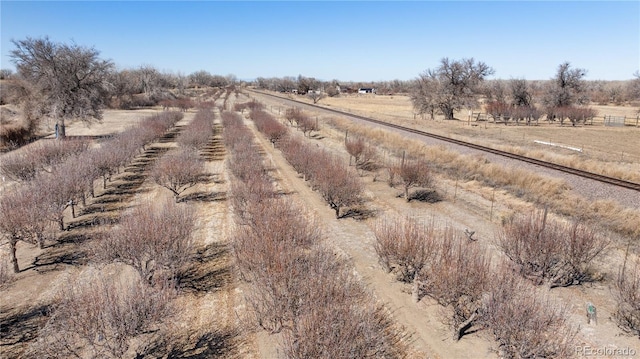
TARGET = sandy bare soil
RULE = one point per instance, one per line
(212, 321)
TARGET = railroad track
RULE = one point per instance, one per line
(585, 174)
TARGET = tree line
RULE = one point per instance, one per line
(69, 81)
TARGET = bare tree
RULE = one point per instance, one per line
(355, 148)
(404, 246)
(69, 78)
(550, 251)
(269, 126)
(525, 323)
(450, 87)
(457, 278)
(338, 184)
(337, 318)
(566, 88)
(316, 95)
(178, 171)
(520, 93)
(412, 173)
(5, 74)
(633, 89)
(199, 132)
(294, 115)
(307, 125)
(627, 295)
(154, 240)
(99, 317)
(22, 219)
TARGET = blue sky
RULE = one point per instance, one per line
(348, 41)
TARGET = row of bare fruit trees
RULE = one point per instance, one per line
(99, 315)
(458, 273)
(297, 286)
(56, 180)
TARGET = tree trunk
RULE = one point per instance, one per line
(415, 290)
(14, 259)
(60, 130)
(406, 193)
(448, 113)
(337, 209)
(462, 328)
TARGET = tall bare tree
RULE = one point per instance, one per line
(566, 88)
(70, 80)
(450, 87)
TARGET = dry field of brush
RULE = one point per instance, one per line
(241, 274)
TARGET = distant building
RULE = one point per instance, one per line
(366, 90)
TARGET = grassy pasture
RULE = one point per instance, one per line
(612, 151)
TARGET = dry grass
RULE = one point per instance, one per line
(523, 184)
(606, 150)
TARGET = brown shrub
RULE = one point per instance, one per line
(525, 323)
(338, 184)
(627, 295)
(294, 115)
(412, 173)
(549, 251)
(456, 278)
(307, 125)
(269, 252)
(178, 171)
(404, 246)
(199, 132)
(355, 148)
(156, 242)
(269, 126)
(22, 219)
(25, 163)
(99, 317)
(336, 317)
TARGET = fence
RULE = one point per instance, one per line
(614, 121)
(607, 120)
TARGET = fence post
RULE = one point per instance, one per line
(493, 196)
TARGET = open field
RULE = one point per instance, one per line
(606, 150)
(215, 318)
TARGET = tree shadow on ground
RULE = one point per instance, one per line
(214, 343)
(204, 197)
(208, 272)
(428, 196)
(71, 248)
(214, 151)
(20, 326)
(171, 135)
(359, 213)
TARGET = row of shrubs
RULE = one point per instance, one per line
(297, 286)
(501, 111)
(27, 211)
(458, 274)
(337, 182)
(123, 313)
(182, 168)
